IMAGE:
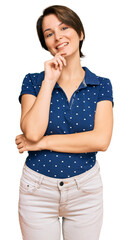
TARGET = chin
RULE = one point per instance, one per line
(64, 54)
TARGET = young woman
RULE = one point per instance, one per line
(66, 118)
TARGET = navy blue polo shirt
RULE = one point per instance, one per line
(65, 118)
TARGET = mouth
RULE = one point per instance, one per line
(62, 46)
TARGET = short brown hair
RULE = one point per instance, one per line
(67, 16)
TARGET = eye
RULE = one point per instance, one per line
(64, 28)
(49, 35)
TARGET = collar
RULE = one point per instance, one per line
(89, 79)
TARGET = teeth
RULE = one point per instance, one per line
(62, 45)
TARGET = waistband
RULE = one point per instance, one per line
(61, 183)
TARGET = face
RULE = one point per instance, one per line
(59, 37)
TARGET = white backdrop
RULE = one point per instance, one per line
(107, 54)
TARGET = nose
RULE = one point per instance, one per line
(58, 35)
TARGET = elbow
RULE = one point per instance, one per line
(32, 137)
(103, 146)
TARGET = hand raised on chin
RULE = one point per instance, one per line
(53, 68)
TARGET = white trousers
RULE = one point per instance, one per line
(78, 200)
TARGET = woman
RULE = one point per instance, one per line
(66, 119)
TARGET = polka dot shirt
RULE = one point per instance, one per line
(65, 118)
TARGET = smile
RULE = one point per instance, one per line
(62, 45)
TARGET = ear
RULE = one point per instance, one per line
(82, 36)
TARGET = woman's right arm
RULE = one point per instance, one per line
(35, 110)
(34, 123)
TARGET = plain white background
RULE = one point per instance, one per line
(107, 54)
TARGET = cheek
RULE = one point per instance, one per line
(51, 49)
(49, 43)
(73, 34)
(74, 38)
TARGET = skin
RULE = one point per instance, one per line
(65, 68)
(56, 32)
(65, 62)
(67, 65)
(23, 144)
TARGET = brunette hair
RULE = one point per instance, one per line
(67, 16)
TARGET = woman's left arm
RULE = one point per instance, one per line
(91, 141)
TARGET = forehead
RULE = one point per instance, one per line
(50, 21)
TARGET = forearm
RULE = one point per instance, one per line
(82, 142)
(35, 122)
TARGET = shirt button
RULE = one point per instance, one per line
(61, 183)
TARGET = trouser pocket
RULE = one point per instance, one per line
(27, 184)
(93, 184)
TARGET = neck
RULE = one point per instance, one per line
(72, 71)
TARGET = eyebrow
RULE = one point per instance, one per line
(50, 28)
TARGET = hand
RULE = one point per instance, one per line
(23, 144)
(53, 68)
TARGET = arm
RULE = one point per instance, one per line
(35, 111)
(96, 140)
(34, 122)
(91, 141)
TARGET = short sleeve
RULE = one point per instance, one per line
(106, 91)
(27, 87)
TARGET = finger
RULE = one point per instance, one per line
(55, 62)
(62, 59)
(60, 63)
(22, 150)
(18, 141)
(19, 136)
(20, 145)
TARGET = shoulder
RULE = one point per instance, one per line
(104, 81)
(94, 79)
(31, 84)
(103, 86)
(105, 89)
(35, 78)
